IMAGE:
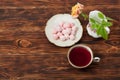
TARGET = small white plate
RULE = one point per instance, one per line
(56, 19)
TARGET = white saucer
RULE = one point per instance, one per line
(57, 19)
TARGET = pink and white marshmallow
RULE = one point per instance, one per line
(56, 37)
(65, 31)
(72, 37)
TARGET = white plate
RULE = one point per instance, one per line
(56, 19)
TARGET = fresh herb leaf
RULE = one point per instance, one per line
(100, 27)
(104, 34)
(99, 30)
(102, 31)
(94, 26)
(85, 16)
(108, 18)
(101, 15)
(92, 20)
(106, 24)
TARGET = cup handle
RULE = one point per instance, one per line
(96, 59)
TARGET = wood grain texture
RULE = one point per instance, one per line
(26, 54)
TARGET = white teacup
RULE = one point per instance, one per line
(81, 56)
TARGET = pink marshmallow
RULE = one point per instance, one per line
(72, 37)
(74, 28)
(72, 24)
(64, 32)
(59, 34)
(55, 37)
(58, 28)
(66, 25)
(62, 38)
(62, 28)
(68, 31)
(73, 32)
(54, 31)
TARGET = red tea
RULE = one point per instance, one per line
(80, 56)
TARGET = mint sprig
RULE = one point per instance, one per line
(110, 19)
(100, 26)
(85, 16)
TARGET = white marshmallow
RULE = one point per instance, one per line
(64, 32)
(66, 36)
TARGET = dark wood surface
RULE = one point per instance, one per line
(26, 54)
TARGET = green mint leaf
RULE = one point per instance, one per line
(108, 18)
(85, 16)
(104, 34)
(93, 26)
(106, 24)
(101, 15)
(92, 20)
(99, 30)
(100, 27)
(102, 31)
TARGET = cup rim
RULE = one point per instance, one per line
(80, 45)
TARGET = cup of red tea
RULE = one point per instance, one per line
(81, 56)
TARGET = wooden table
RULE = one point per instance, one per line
(26, 54)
